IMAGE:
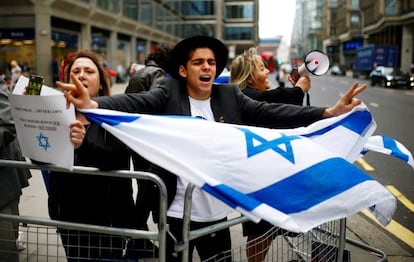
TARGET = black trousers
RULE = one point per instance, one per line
(215, 244)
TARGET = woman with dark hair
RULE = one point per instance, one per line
(90, 199)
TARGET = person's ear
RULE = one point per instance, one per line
(249, 80)
(182, 71)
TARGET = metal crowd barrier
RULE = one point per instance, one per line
(42, 240)
(324, 243)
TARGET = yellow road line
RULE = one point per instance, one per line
(405, 201)
(364, 164)
(396, 229)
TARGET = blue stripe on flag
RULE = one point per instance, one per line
(390, 143)
(231, 197)
(311, 186)
(357, 122)
(112, 120)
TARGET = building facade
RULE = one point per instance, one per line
(307, 29)
(36, 32)
(350, 24)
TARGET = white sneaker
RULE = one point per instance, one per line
(19, 243)
(20, 246)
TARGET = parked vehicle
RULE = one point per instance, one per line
(337, 71)
(391, 77)
(367, 58)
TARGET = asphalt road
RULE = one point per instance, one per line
(393, 111)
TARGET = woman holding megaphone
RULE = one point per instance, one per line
(249, 72)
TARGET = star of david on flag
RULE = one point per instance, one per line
(294, 178)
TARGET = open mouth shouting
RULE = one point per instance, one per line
(205, 78)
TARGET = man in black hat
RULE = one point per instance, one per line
(194, 64)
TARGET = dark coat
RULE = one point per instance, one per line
(94, 199)
(12, 180)
(145, 78)
(228, 104)
(287, 95)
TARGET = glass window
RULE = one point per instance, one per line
(390, 7)
(109, 5)
(100, 44)
(130, 8)
(197, 29)
(145, 12)
(355, 21)
(171, 21)
(17, 44)
(197, 7)
(64, 40)
(238, 33)
(406, 7)
(239, 11)
(159, 14)
(355, 4)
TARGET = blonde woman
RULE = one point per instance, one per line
(249, 72)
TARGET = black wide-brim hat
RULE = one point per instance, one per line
(180, 53)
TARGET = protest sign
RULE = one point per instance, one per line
(42, 125)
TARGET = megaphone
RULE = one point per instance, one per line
(316, 63)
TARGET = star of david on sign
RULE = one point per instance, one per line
(257, 144)
(43, 141)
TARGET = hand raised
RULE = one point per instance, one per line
(347, 102)
(76, 93)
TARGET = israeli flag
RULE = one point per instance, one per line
(294, 178)
(386, 145)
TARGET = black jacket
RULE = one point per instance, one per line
(228, 103)
(145, 78)
(94, 199)
(288, 95)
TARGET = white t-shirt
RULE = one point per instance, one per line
(204, 206)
